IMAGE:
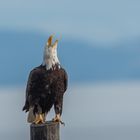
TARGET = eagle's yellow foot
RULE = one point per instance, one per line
(44, 117)
(39, 119)
(58, 119)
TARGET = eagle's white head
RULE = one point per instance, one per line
(50, 59)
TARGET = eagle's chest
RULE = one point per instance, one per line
(49, 78)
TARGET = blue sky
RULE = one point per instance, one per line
(82, 24)
(92, 20)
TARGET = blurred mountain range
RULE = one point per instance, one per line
(85, 62)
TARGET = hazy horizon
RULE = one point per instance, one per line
(100, 111)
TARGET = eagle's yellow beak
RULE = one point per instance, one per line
(49, 43)
(55, 44)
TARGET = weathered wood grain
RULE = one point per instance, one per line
(46, 131)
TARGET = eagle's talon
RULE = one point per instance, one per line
(62, 123)
(39, 119)
(58, 119)
(38, 122)
(55, 120)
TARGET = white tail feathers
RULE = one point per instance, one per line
(31, 116)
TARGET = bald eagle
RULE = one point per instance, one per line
(46, 86)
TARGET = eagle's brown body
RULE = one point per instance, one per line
(45, 88)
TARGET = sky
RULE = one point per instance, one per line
(92, 20)
(101, 21)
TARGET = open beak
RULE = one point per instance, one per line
(49, 43)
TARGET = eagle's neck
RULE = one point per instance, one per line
(51, 61)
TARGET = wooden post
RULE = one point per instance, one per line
(46, 131)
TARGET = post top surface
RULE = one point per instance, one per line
(44, 124)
